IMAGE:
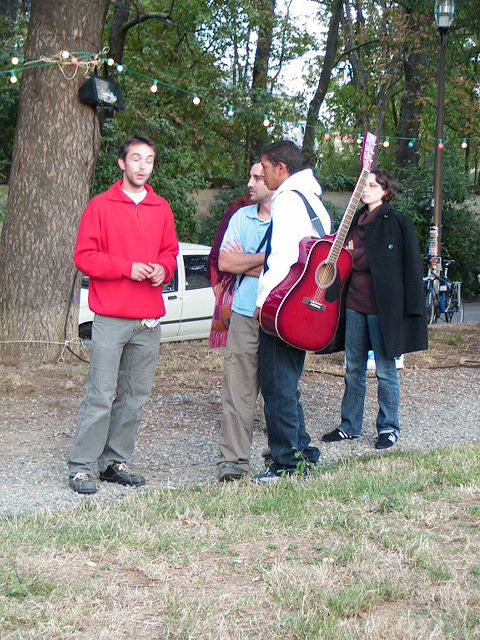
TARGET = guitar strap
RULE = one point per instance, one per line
(313, 217)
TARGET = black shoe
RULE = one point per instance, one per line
(337, 435)
(229, 471)
(386, 440)
(120, 472)
(82, 483)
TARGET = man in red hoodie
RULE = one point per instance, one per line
(127, 245)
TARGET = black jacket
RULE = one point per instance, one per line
(396, 269)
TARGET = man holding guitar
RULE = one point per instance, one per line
(297, 211)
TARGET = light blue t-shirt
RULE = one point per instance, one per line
(246, 228)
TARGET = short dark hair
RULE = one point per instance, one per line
(284, 151)
(387, 183)
(124, 147)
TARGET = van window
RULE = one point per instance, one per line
(172, 285)
(195, 272)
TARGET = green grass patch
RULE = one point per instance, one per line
(327, 558)
(451, 340)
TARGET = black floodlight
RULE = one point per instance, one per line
(101, 93)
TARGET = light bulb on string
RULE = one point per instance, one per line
(464, 144)
(110, 62)
(359, 138)
(195, 100)
(230, 111)
(266, 120)
(326, 136)
(13, 78)
(411, 143)
(64, 55)
(119, 68)
(74, 60)
(15, 61)
(440, 144)
(154, 87)
(386, 143)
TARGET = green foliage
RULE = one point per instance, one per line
(12, 38)
(338, 171)
(460, 226)
(3, 202)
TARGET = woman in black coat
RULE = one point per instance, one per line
(385, 309)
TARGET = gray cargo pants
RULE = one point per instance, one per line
(122, 368)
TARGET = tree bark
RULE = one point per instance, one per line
(308, 146)
(356, 58)
(56, 143)
(8, 9)
(258, 133)
(412, 108)
(118, 33)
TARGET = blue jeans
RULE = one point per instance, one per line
(363, 332)
(281, 367)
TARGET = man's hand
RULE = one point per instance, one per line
(157, 277)
(256, 315)
(140, 271)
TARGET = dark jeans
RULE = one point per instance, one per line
(281, 367)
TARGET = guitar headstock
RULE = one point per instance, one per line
(368, 151)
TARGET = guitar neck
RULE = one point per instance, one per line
(347, 218)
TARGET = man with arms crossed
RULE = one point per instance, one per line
(241, 253)
(127, 245)
(281, 366)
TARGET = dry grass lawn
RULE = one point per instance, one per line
(381, 548)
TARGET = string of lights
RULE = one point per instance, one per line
(70, 63)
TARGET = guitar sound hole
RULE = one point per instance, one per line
(325, 275)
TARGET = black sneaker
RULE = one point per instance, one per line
(337, 435)
(386, 440)
(82, 483)
(121, 473)
(229, 471)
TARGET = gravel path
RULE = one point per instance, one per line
(177, 444)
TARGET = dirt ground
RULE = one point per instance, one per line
(177, 443)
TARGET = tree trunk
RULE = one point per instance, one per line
(118, 33)
(56, 143)
(356, 58)
(412, 108)
(8, 9)
(258, 133)
(308, 147)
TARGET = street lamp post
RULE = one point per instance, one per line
(444, 11)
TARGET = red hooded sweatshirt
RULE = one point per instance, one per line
(114, 233)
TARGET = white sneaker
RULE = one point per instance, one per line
(267, 477)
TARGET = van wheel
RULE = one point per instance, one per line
(85, 331)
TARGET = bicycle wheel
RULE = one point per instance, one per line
(431, 306)
(457, 294)
(454, 309)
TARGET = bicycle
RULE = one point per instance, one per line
(442, 296)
